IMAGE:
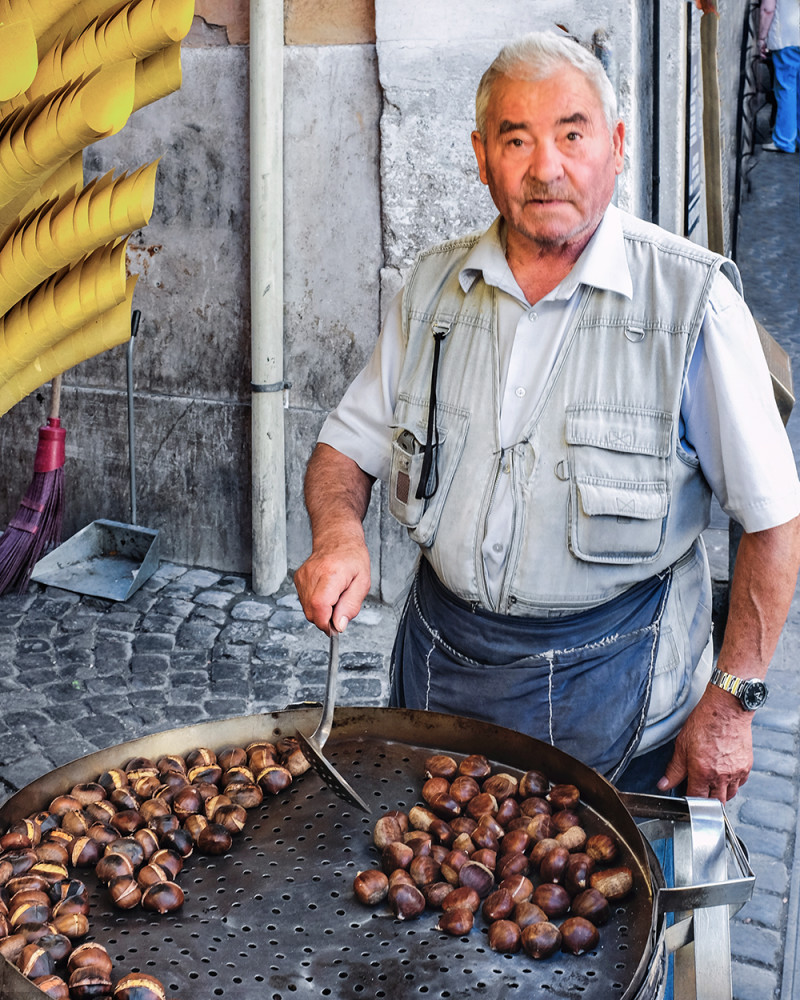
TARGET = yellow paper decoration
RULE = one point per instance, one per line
(41, 14)
(72, 72)
(157, 76)
(36, 140)
(19, 61)
(64, 303)
(104, 332)
(139, 29)
(64, 231)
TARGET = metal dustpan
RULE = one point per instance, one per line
(106, 558)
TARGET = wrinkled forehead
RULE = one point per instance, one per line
(566, 95)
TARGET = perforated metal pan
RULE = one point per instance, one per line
(276, 919)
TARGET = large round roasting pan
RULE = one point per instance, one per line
(275, 919)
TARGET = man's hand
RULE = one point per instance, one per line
(335, 579)
(714, 750)
(333, 583)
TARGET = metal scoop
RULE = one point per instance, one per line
(312, 745)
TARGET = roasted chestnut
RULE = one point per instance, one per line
(112, 865)
(464, 788)
(462, 897)
(497, 905)
(474, 875)
(88, 983)
(214, 839)
(164, 897)
(396, 855)
(520, 887)
(52, 986)
(564, 796)
(441, 765)
(501, 785)
(475, 765)
(274, 779)
(435, 893)
(614, 883)
(125, 891)
(386, 831)
(505, 936)
(35, 961)
(533, 783)
(602, 848)
(371, 887)
(406, 901)
(57, 945)
(541, 940)
(90, 954)
(526, 913)
(554, 864)
(168, 859)
(553, 899)
(245, 794)
(456, 921)
(578, 935)
(592, 905)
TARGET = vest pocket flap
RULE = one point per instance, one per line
(612, 498)
(617, 428)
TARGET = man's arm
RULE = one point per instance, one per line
(334, 580)
(765, 16)
(714, 750)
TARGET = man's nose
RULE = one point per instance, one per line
(545, 163)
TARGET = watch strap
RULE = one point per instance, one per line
(733, 685)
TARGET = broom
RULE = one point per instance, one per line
(36, 527)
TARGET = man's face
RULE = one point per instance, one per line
(549, 159)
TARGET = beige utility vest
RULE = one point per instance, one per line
(604, 494)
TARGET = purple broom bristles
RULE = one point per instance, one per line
(36, 526)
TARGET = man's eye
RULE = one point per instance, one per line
(516, 142)
(573, 136)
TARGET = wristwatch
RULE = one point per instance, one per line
(751, 693)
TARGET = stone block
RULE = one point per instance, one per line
(754, 982)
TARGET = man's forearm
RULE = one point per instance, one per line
(761, 592)
(337, 492)
(335, 579)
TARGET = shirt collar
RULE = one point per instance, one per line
(603, 264)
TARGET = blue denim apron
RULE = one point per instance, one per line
(580, 682)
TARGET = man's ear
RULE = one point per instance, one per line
(618, 140)
(480, 155)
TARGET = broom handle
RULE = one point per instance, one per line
(55, 398)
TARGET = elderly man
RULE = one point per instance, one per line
(552, 403)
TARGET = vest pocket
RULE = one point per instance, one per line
(420, 515)
(619, 493)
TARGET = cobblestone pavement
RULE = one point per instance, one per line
(81, 673)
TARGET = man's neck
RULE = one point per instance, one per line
(538, 268)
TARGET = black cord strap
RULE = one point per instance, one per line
(429, 474)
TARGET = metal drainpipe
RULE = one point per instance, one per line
(268, 471)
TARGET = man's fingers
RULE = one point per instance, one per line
(674, 772)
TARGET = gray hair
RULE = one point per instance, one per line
(539, 55)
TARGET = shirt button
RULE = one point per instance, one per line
(532, 316)
(497, 547)
(520, 391)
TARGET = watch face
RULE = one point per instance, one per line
(754, 694)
